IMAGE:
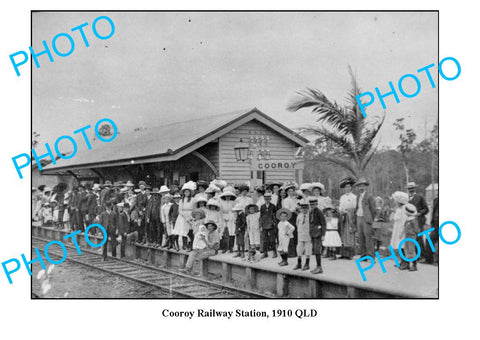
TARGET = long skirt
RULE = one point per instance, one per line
(348, 230)
(292, 245)
(398, 234)
(182, 226)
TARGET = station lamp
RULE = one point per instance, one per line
(241, 151)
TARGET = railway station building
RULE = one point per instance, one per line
(203, 148)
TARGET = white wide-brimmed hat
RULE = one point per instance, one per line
(238, 207)
(213, 202)
(198, 199)
(219, 183)
(164, 189)
(227, 193)
(212, 188)
(317, 185)
(400, 197)
(305, 186)
(190, 185)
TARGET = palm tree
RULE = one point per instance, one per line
(343, 136)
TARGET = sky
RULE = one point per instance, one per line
(163, 67)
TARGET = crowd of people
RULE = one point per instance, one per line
(276, 219)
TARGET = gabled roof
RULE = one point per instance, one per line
(167, 142)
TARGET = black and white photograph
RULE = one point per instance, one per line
(235, 155)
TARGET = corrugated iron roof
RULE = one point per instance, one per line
(155, 141)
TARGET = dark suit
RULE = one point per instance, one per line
(318, 228)
(240, 227)
(91, 206)
(267, 227)
(422, 208)
(123, 224)
(141, 201)
(108, 222)
(173, 213)
(105, 195)
(364, 224)
(154, 225)
(71, 210)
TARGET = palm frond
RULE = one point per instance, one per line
(327, 111)
(368, 138)
(324, 134)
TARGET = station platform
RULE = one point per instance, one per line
(340, 278)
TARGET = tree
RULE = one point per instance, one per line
(407, 138)
(343, 137)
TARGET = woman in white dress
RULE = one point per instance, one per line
(290, 202)
(398, 234)
(227, 201)
(184, 219)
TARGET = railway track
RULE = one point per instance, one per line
(177, 284)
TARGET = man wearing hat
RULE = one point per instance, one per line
(347, 205)
(365, 214)
(108, 222)
(72, 216)
(152, 216)
(60, 198)
(123, 225)
(268, 226)
(206, 244)
(318, 228)
(105, 194)
(81, 207)
(142, 196)
(91, 204)
(422, 210)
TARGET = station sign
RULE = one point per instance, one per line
(277, 165)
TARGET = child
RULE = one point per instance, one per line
(332, 237)
(214, 214)
(240, 227)
(200, 236)
(167, 226)
(285, 233)
(47, 215)
(253, 229)
(172, 217)
(377, 223)
(200, 203)
(198, 220)
(411, 231)
(304, 245)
